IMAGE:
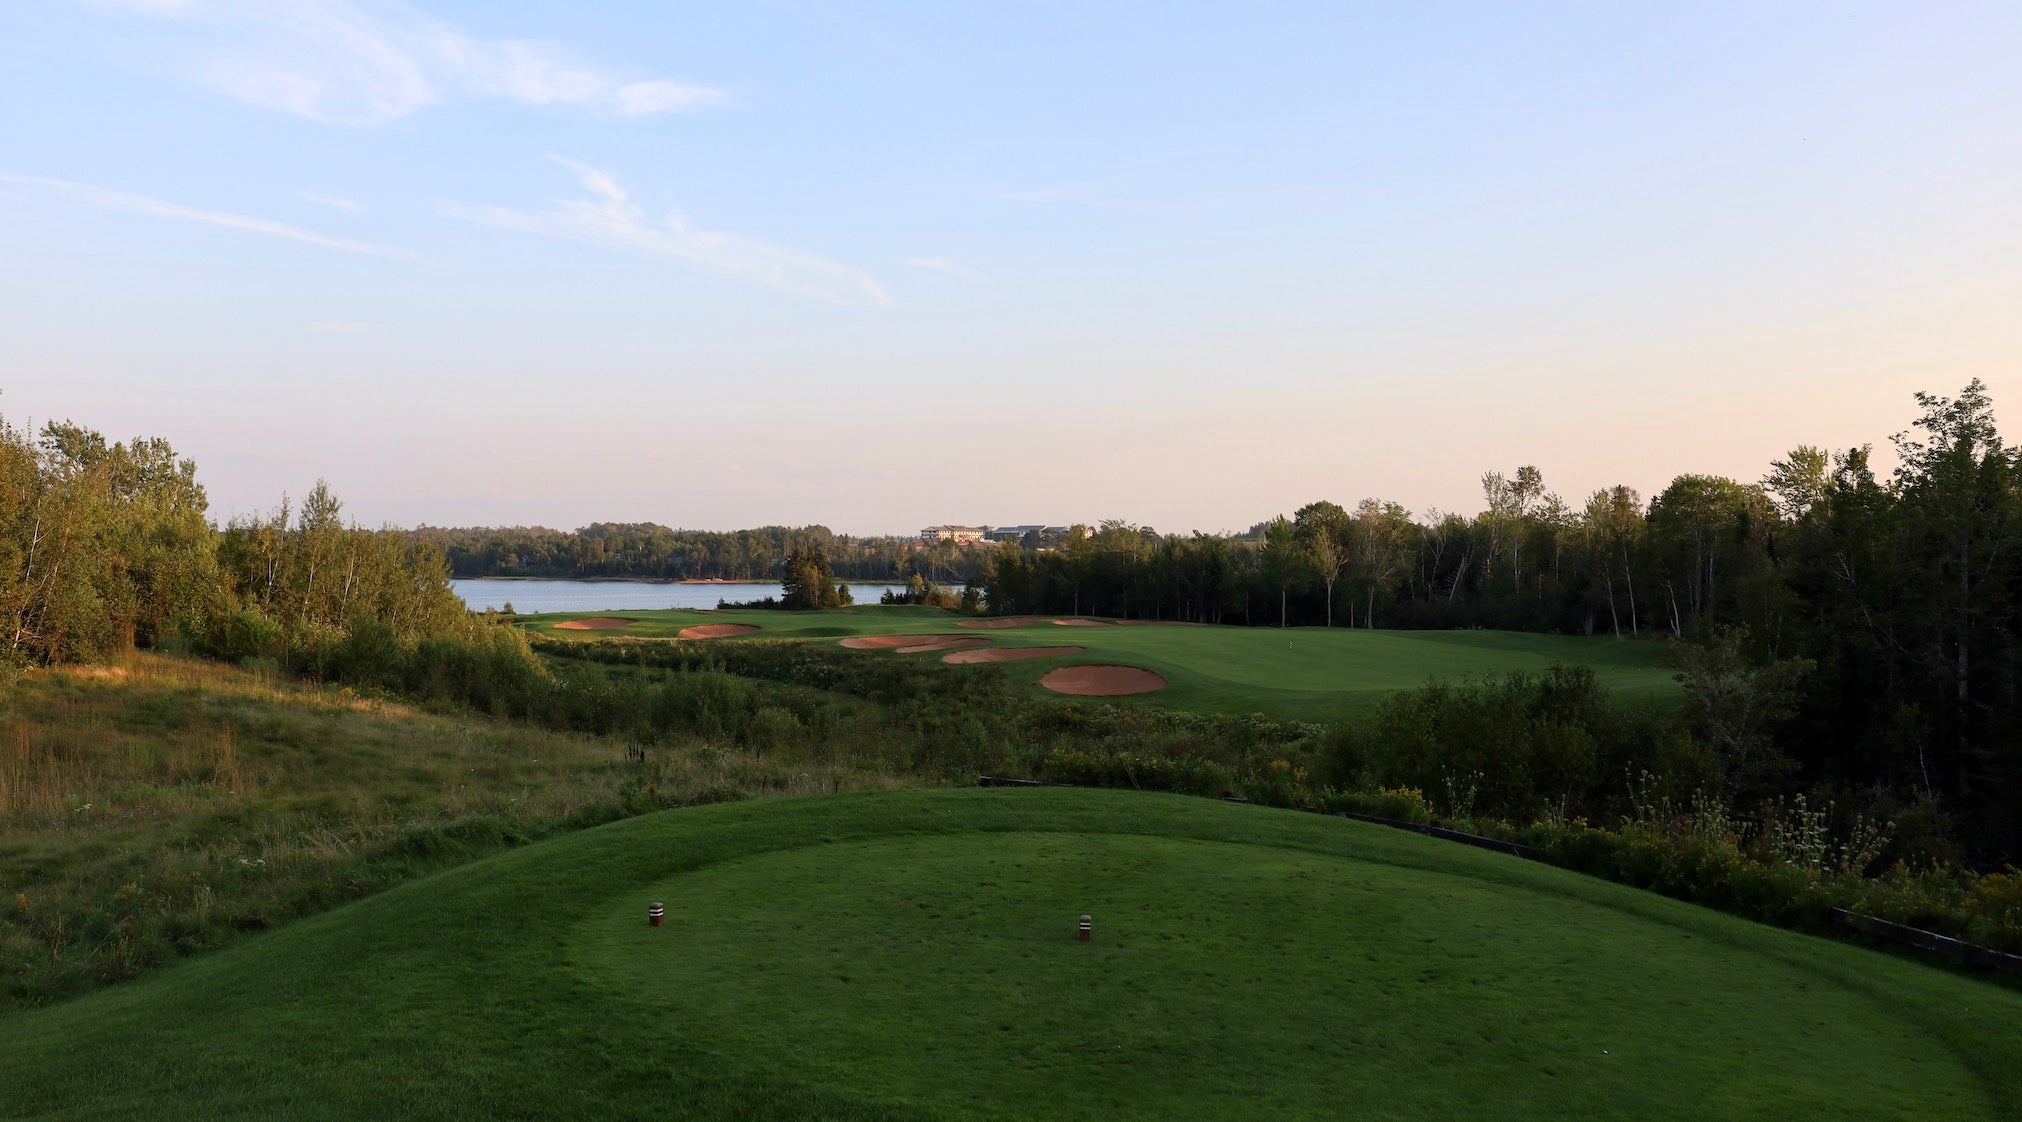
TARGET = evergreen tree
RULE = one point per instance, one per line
(808, 582)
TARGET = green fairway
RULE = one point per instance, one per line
(1302, 673)
(913, 955)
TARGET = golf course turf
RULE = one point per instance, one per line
(1300, 673)
(913, 954)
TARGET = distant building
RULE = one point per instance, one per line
(1045, 537)
(956, 534)
(1012, 533)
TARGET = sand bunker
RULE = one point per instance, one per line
(1101, 681)
(1012, 621)
(1079, 622)
(945, 645)
(1009, 654)
(912, 644)
(1160, 623)
(717, 630)
(595, 623)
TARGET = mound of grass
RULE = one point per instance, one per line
(912, 955)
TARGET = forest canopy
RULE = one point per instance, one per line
(107, 546)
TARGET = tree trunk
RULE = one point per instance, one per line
(1959, 673)
(1629, 579)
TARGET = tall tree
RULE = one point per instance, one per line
(1702, 526)
(1958, 484)
(1612, 532)
(808, 582)
(1282, 561)
(1382, 536)
(1322, 530)
(1798, 485)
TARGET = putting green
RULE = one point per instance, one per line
(1238, 980)
(1303, 673)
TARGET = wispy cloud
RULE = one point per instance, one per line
(609, 218)
(943, 265)
(365, 61)
(141, 204)
(648, 99)
(334, 202)
(341, 327)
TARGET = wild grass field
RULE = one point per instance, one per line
(1300, 673)
(161, 806)
(913, 955)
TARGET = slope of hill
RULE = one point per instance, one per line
(913, 954)
(162, 806)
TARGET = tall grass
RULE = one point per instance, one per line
(49, 773)
(163, 805)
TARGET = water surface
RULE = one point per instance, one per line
(531, 596)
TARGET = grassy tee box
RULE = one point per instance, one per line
(914, 955)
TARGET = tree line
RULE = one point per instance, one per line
(1527, 562)
(1847, 627)
(105, 546)
(649, 551)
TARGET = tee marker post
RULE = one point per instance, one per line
(1087, 928)
(655, 914)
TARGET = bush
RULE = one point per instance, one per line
(1401, 804)
(1511, 745)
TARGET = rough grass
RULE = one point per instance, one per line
(911, 955)
(1300, 673)
(163, 806)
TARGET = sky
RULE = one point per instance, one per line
(881, 265)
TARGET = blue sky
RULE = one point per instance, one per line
(879, 265)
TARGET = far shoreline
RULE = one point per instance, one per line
(682, 580)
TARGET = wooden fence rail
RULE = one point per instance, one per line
(1967, 953)
(1476, 840)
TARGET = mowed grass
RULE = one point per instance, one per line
(913, 955)
(1300, 673)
